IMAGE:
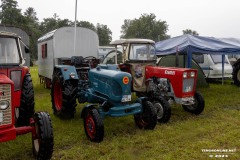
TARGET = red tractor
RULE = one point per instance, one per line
(17, 115)
(161, 84)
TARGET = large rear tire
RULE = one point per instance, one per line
(236, 73)
(93, 125)
(148, 118)
(197, 107)
(42, 142)
(26, 109)
(63, 95)
(163, 109)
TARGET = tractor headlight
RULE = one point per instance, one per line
(4, 105)
(184, 74)
(72, 75)
(192, 74)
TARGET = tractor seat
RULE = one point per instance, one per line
(76, 60)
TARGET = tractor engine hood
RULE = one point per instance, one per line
(111, 84)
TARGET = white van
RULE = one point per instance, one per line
(211, 65)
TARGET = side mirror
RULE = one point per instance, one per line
(27, 50)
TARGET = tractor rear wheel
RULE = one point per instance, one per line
(236, 73)
(198, 106)
(93, 125)
(26, 109)
(163, 109)
(42, 140)
(148, 118)
(63, 95)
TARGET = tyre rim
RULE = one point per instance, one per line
(36, 141)
(238, 75)
(90, 126)
(194, 106)
(58, 96)
(159, 108)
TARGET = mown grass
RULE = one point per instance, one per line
(184, 137)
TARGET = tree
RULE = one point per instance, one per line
(86, 24)
(104, 34)
(10, 15)
(145, 27)
(189, 31)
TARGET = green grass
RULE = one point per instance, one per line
(184, 137)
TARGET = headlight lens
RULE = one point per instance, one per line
(4, 105)
(192, 74)
(72, 75)
(184, 74)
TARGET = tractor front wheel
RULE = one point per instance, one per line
(197, 107)
(148, 118)
(63, 95)
(93, 125)
(163, 109)
(42, 139)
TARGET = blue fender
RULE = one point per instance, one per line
(89, 106)
(68, 72)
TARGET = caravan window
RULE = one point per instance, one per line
(218, 59)
(199, 58)
(44, 50)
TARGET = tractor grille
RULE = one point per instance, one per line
(188, 85)
(6, 115)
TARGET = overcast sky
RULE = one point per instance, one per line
(214, 18)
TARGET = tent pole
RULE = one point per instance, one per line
(223, 61)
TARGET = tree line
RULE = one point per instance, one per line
(146, 26)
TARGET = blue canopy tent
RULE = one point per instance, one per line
(189, 44)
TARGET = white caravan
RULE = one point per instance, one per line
(59, 44)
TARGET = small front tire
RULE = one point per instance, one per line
(147, 119)
(42, 140)
(163, 109)
(197, 107)
(93, 125)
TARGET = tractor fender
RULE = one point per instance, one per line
(68, 72)
(89, 106)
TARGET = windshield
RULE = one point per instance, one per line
(8, 51)
(142, 52)
(218, 59)
(110, 58)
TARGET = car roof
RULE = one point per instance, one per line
(135, 40)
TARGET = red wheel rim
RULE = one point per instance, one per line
(90, 126)
(58, 96)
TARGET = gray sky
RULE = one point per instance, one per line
(214, 18)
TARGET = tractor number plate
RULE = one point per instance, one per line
(1, 117)
(126, 98)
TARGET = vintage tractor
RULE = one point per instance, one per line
(17, 115)
(105, 87)
(160, 84)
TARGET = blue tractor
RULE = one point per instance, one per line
(107, 91)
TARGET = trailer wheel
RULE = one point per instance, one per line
(163, 109)
(198, 107)
(26, 109)
(236, 73)
(93, 125)
(148, 118)
(63, 95)
(42, 139)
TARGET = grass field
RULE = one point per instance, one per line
(185, 137)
